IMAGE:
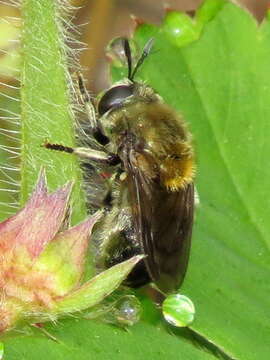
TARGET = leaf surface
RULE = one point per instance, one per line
(221, 84)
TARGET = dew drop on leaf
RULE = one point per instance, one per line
(127, 310)
(178, 310)
(115, 52)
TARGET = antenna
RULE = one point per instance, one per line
(128, 57)
(146, 51)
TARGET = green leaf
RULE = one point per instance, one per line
(84, 339)
(221, 85)
(1, 350)
(96, 289)
(9, 109)
(9, 171)
(46, 112)
(9, 60)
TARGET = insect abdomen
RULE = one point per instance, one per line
(177, 169)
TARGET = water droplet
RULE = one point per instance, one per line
(127, 310)
(178, 310)
(115, 51)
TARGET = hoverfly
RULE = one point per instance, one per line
(151, 197)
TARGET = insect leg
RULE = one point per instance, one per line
(95, 126)
(99, 156)
(86, 153)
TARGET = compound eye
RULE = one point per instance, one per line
(114, 97)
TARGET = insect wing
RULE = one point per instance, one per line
(163, 224)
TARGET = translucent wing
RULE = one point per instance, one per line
(162, 219)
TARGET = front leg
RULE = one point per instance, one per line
(95, 125)
(86, 153)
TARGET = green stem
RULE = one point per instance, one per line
(46, 105)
